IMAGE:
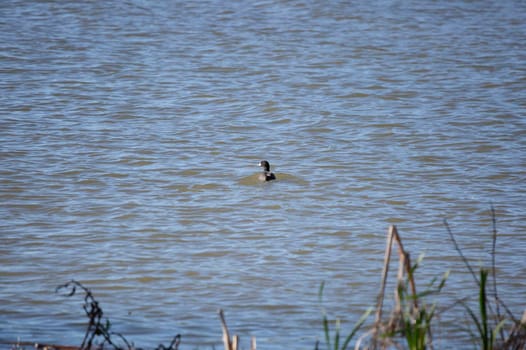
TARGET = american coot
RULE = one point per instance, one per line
(266, 175)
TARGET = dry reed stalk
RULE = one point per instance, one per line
(404, 268)
(232, 344)
(404, 262)
(235, 342)
(226, 336)
(385, 271)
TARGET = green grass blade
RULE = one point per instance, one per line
(326, 330)
(337, 336)
(474, 318)
(320, 291)
(483, 310)
(356, 327)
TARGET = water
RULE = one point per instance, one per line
(130, 133)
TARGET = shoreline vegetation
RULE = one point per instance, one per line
(409, 325)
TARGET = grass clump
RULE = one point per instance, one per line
(416, 315)
(496, 328)
(410, 322)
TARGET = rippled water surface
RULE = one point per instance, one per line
(130, 134)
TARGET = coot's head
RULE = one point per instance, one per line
(265, 165)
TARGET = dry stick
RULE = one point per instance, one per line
(226, 336)
(404, 266)
(460, 252)
(517, 336)
(380, 300)
(362, 337)
(405, 263)
(235, 342)
(394, 321)
(400, 279)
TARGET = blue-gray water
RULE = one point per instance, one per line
(130, 133)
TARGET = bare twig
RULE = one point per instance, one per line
(98, 329)
(174, 345)
(460, 252)
(94, 312)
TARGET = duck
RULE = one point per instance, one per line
(266, 175)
